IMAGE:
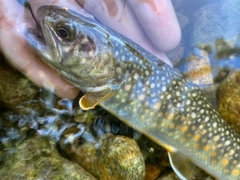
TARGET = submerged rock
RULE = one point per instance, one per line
(14, 87)
(37, 158)
(228, 98)
(110, 157)
(197, 68)
(211, 24)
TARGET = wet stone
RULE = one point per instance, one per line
(212, 32)
(228, 98)
(168, 175)
(152, 172)
(197, 68)
(211, 25)
(109, 157)
(37, 158)
(177, 53)
(14, 87)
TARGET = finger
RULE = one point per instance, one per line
(71, 4)
(1, 11)
(119, 16)
(33, 68)
(159, 22)
(14, 47)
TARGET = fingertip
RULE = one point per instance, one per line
(68, 91)
(44, 76)
(171, 37)
(1, 12)
(159, 21)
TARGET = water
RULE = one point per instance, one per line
(209, 49)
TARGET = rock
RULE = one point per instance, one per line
(198, 175)
(197, 68)
(218, 33)
(14, 87)
(110, 157)
(176, 54)
(183, 20)
(228, 98)
(210, 24)
(168, 175)
(152, 172)
(37, 158)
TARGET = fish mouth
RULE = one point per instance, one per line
(35, 36)
(35, 39)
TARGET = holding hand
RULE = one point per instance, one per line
(132, 18)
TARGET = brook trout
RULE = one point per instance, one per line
(139, 89)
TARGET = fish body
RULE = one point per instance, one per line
(139, 89)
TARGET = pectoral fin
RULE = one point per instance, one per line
(92, 99)
(181, 165)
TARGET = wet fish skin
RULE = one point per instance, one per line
(139, 89)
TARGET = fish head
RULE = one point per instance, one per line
(74, 45)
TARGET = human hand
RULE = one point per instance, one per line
(14, 19)
(133, 19)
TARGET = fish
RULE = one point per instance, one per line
(139, 89)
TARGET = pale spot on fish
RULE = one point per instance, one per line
(164, 88)
(226, 170)
(184, 128)
(182, 140)
(194, 128)
(227, 143)
(193, 115)
(160, 114)
(123, 100)
(171, 126)
(177, 93)
(157, 106)
(141, 97)
(224, 162)
(147, 73)
(116, 53)
(206, 148)
(188, 102)
(135, 76)
(170, 116)
(196, 137)
(131, 58)
(196, 146)
(214, 124)
(207, 119)
(128, 87)
(169, 96)
(118, 70)
(231, 152)
(213, 154)
(152, 85)
(235, 172)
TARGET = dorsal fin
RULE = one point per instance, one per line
(92, 99)
(182, 165)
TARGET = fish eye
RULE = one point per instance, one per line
(65, 30)
(63, 33)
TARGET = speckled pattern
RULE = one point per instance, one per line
(156, 99)
(146, 93)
